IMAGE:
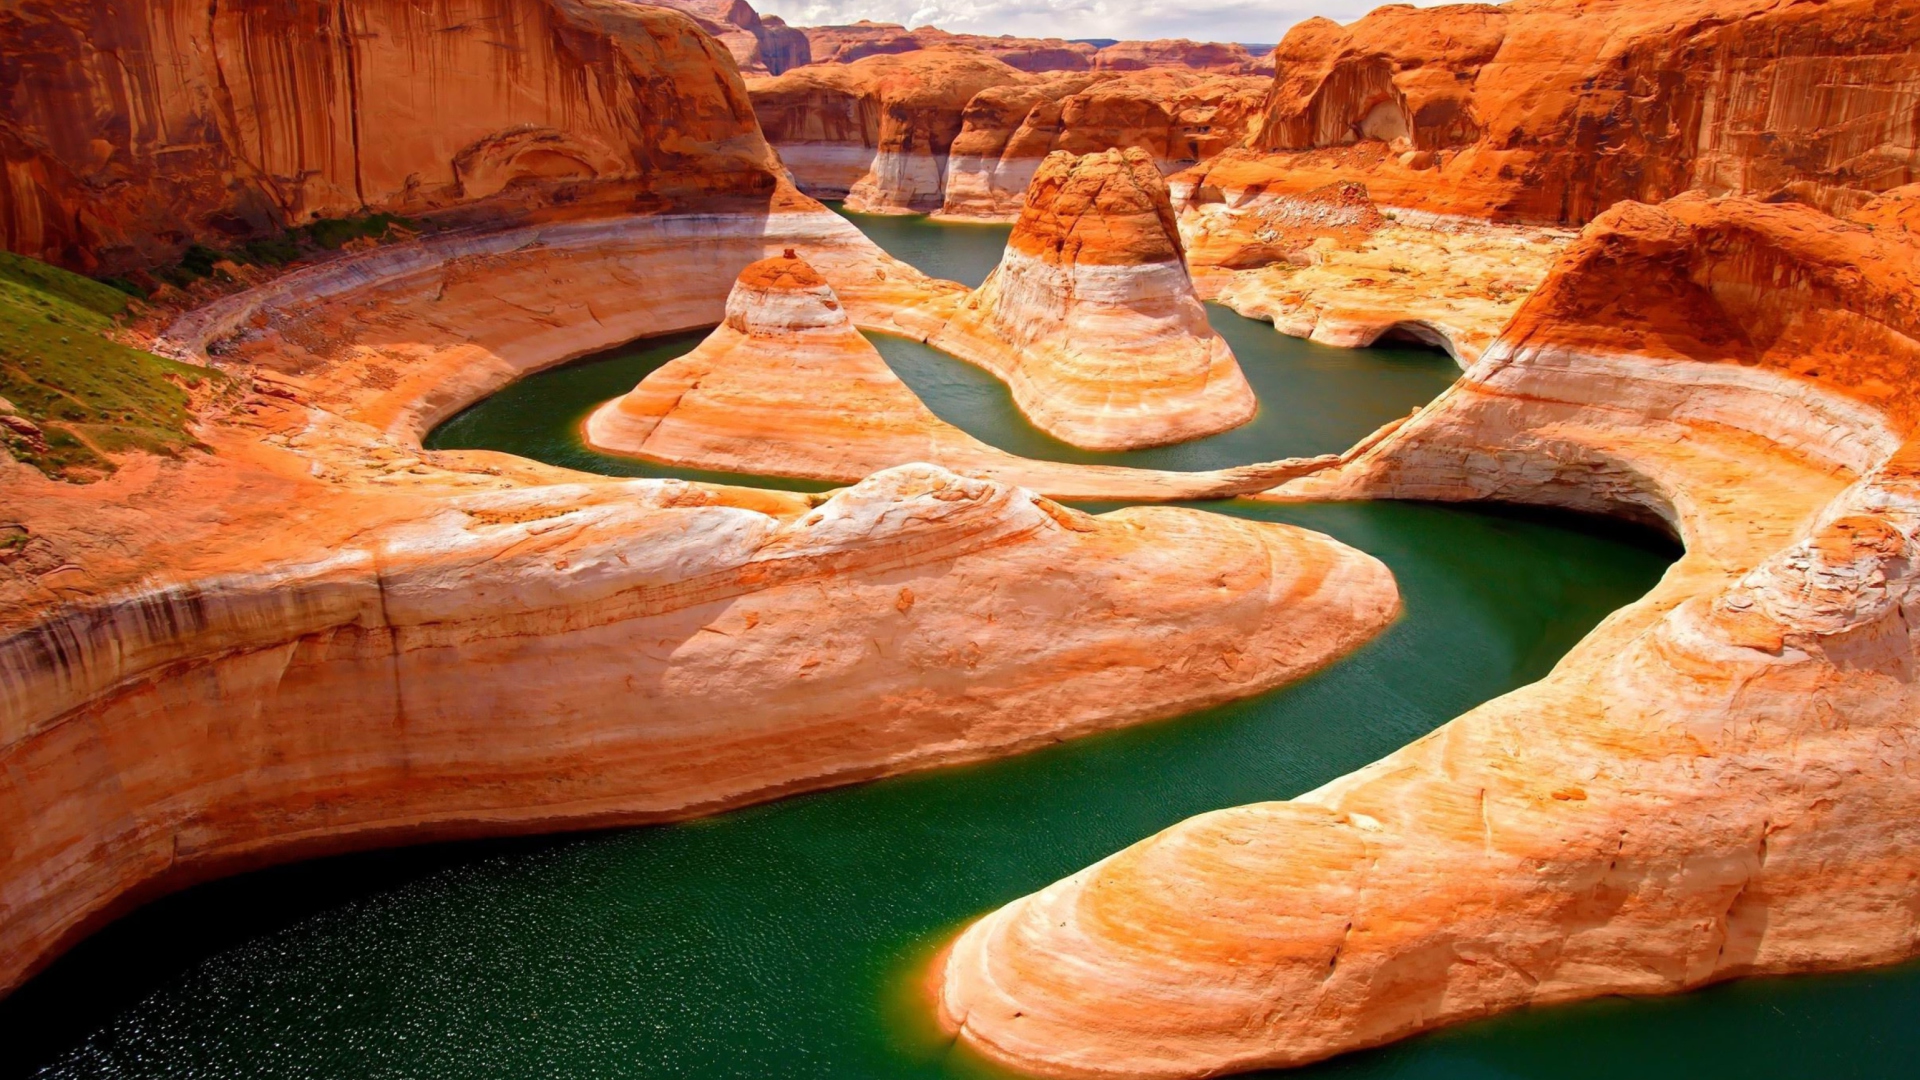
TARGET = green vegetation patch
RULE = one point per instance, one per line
(82, 395)
(330, 234)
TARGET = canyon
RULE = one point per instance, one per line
(1706, 787)
(1671, 248)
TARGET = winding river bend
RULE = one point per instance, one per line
(783, 940)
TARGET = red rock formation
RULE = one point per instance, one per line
(131, 129)
(1717, 782)
(845, 44)
(876, 132)
(1177, 116)
(319, 636)
(857, 41)
(1223, 57)
(1552, 110)
(760, 45)
(1091, 319)
(787, 386)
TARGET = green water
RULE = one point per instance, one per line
(965, 252)
(780, 941)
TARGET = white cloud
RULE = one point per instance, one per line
(1202, 20)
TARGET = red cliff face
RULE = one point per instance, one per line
(1774, 287)
(1174, 52)
(131, 130)
(1178, 116)
(877, 131)
(760, 45)
(856, 41)
(1553, 110)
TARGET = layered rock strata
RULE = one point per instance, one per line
(1504, 111)
(788, 387)
(857, 41)
(876, 133)
(317, 636)
(1218, 56)
(1332, 266)
(132, 129)
(1178, 116)
(1715, 783)
(760, 45)
(1091, 318)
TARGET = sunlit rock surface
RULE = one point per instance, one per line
(788, 387)
(855, 41)
(315, 636)
(134, 128)
(1174, 52)
(876, 132)
(1091, 317)
(1716, 782)
(1509, 111)
(1178, 116)
(759, 45)
(1331, 265)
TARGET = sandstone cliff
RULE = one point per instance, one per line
(130, 130)
(856, 41)
(1091, 318)
(786, 386)
(876, 132)
(1217, 56)
(1178, 116)
(1552, 110)
(1716, 782)
(759, 45)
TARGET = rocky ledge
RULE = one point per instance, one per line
(1091, 317)
(1716, 782)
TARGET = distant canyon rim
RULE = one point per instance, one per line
(260, 250)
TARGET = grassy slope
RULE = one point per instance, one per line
(90, 396)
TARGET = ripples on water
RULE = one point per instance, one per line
(780, 941)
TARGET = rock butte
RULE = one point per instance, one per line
(470, 624)
(786, 386)
(1091, 319)
(1716, 782)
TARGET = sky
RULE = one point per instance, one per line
(1256, 21)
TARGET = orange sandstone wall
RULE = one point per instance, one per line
(129, 130)
(1553, 110)
(857, 41)
(760, 45)
(1178, 116)
(878, 131)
